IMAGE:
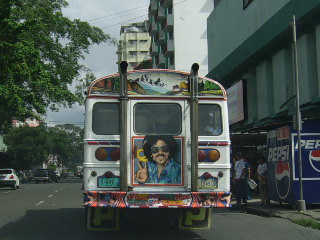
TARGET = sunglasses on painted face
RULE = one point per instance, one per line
(164, 148)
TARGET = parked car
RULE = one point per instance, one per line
(58, 174)
(45, 175)
(9, 178)
(27, 176)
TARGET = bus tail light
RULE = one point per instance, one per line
(214, 155)
(11, 177)
(101, 154)
(115, 154)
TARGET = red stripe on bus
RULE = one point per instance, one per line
(213, 143)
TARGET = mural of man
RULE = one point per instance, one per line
(161, 167)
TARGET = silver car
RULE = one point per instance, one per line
(9, 178)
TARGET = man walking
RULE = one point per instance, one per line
(239, 179)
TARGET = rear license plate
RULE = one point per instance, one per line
(211, 183)
(108, 182)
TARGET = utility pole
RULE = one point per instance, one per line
(301, 204)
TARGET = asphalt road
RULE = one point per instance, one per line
(54, 211)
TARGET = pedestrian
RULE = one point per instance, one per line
(247, 177)
(239, 179)
(262, 180)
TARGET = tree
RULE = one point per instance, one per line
(27, 146)
(31, 146)
(40, 57)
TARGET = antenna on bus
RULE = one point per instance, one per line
(123, 67)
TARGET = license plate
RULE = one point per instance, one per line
(211, 183)
(108, 182)
(2, 177)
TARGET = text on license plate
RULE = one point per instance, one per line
(211, 183)
(108, 182)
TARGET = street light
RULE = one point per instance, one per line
(301, 204)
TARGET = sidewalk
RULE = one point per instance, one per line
(286, 211)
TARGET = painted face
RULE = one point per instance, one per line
(160, 152)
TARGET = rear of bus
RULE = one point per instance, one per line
(158, 139)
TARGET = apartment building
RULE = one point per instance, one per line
(134, 44)
(178, 30)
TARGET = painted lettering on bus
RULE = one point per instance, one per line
(278, 154)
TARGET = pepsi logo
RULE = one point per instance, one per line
(282, 175)
(314, 158)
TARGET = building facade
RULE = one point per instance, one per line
(134, 44)
(178, 31)
(250, 47)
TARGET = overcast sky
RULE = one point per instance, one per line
(108, 15)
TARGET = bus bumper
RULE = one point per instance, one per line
(156, 199)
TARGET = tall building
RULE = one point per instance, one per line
(134, 44)
(178, 31)
(251, 50)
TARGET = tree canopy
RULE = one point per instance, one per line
(31, 146)
(40, 57)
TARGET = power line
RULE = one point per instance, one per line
(124, 21)
(116, 13)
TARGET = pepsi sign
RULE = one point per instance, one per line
(310, 155)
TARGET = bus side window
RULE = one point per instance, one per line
(210, 123)
(105, 119)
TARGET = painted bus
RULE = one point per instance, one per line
(156, 140)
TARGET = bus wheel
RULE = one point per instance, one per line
(195, 218)
(102, 219)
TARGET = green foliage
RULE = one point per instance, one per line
(310, 223)
(31, 146)
(210, 86)
(145, 64)
(40, 53)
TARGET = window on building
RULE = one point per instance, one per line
(133, 53)
(133, 41)
(133, 64)
(170, 10)
(246, 3)
(143, 41)
(170, 35)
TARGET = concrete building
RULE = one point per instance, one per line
(178, 30)
(134, 44)
(250, 49)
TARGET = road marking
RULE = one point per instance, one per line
(56, 191)
(50, 195)
(6, 192)
(39, 203)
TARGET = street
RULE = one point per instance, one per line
(54, 211)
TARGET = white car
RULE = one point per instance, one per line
(8, 178)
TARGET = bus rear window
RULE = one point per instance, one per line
(105, 119)
(210, 122)
(157, 118)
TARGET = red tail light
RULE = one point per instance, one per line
(11, 177)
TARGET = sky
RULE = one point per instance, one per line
(108, 15)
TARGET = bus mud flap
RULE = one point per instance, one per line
(195, 218)
(102, 219)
